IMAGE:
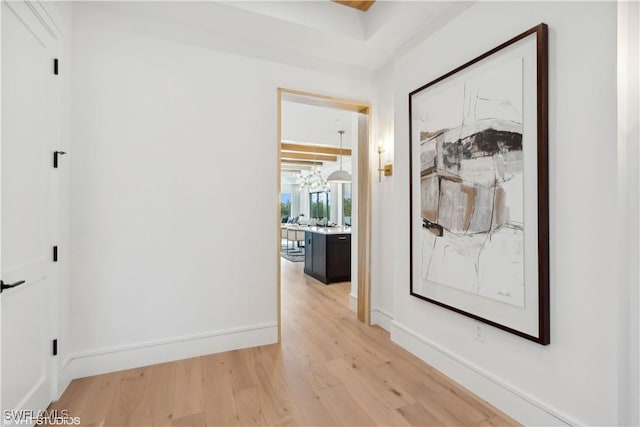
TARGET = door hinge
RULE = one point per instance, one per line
(55, 66)
(55, 157)
(54, 349)
(55, 254)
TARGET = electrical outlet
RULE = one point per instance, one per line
(479, 332)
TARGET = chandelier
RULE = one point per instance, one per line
(313, 179)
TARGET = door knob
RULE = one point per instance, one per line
(12, 285)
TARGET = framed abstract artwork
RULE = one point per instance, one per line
(479, 188)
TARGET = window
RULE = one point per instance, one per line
(285, 206)
(319, 207)
(346, 204)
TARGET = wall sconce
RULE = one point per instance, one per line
(387, 169)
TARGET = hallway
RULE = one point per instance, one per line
(329, 370)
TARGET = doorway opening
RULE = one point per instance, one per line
(341, 208)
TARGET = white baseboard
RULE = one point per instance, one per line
(64, 377)
(516, 403)
(112, 359)
(353, 302)
(381, 318)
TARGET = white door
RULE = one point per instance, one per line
(27, 312)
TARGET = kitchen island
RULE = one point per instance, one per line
(328, 253)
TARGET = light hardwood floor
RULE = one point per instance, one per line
(329, 370)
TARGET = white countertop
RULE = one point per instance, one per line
(329, 230)
(322, 230)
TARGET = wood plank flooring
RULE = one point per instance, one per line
(329, 370)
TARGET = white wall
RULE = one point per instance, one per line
(382, 235)
(171, 258)
(575, 379)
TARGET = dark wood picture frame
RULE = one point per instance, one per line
(541, 33)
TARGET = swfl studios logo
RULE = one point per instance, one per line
(28, 418)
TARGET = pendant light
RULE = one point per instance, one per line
(340, 175)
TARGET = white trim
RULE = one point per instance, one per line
(41, 18)
(382, 318)
(33, 22)
(38, 393)
(47, 16)
(118, 358)
(2, 405)
(64, 377)
(628, 90)
(353, 302)
(518, 404)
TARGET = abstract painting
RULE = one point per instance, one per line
(475, 132)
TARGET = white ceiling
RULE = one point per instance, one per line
(303, 123)
(310, 124)
(305, 32)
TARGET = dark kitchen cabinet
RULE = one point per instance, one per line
(328, 256)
